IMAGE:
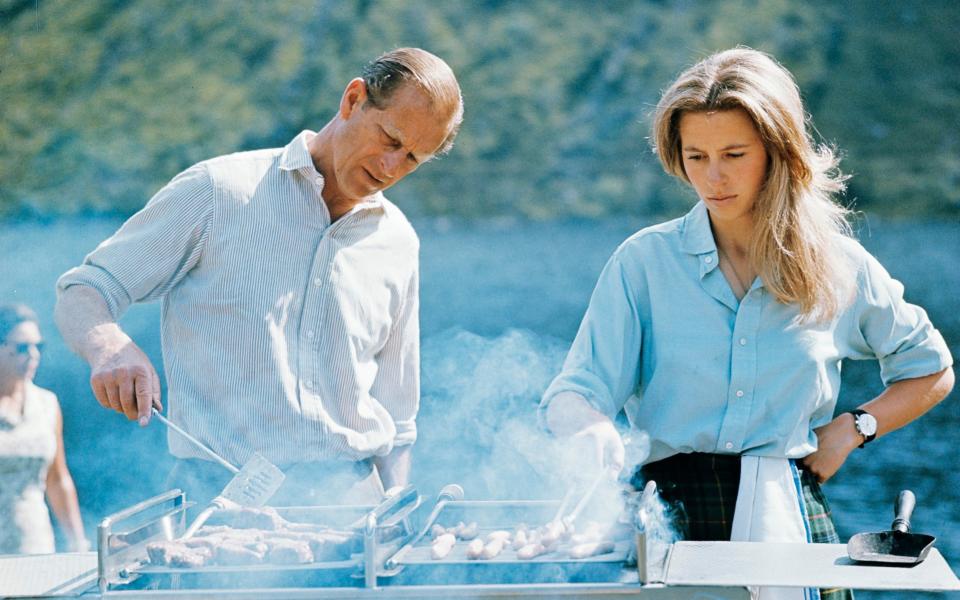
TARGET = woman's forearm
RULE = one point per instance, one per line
(906, 400)
(62, 496)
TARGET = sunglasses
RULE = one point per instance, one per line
(24, 347)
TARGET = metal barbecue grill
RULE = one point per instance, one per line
(389, 557)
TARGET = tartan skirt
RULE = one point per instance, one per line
(700, 491)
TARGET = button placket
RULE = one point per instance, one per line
(743, 364)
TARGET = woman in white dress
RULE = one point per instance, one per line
(32, 460)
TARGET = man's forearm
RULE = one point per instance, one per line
(394, 468)
(86, 324)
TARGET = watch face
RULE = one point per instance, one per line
(867, 424)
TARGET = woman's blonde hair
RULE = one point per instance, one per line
(798, 226)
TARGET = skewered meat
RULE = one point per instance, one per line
(591, 549)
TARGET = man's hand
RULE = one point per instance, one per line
(125, 381)
(121, 375)
(836, 440)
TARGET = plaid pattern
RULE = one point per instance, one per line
(701, 491)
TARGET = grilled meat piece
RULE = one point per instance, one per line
(246, 517)
(232, 553)
(176, 555)
(289, 552)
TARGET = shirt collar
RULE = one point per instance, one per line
(697, 237)
(296, 156)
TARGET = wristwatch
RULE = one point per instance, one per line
(866, 425)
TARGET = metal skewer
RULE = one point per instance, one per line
(196, 442)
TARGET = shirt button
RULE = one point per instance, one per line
(308, 384)
(728, 445)
(743, 341)
(708, 260)
(316, 282)
(310, 334)
(318, 179)
(739, 393)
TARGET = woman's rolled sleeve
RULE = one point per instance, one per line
(898, 334)
(603, 362)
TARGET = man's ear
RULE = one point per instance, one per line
(353, 97)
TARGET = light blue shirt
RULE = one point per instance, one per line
(665, 338)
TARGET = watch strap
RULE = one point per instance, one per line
(856, 423)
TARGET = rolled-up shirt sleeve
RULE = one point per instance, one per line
(898, 334)
(154, 249)
(397, 385)
(603, 364)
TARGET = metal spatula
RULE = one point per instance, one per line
(252, 485)
(897, 546)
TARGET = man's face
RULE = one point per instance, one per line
(375, 148)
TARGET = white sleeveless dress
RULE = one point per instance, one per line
(28, 444)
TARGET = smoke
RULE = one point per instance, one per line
(478, 428)
(477, 424)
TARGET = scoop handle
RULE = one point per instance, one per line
(906, 502)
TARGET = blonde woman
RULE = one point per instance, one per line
(721, 333)
(32, 459)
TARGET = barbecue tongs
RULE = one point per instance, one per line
(252, 485)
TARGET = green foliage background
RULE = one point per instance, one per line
(102, 102)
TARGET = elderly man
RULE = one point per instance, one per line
(290, 296)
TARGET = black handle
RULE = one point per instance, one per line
(906, 501)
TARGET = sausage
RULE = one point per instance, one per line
(531, 551)
(551, 532)
(520, 539)
(437, 530)
(500, 534)
(475, 549)
(442, 545)
(467, 532)
(591, 549)
(493, 548)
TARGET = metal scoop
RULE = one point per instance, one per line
(897, 546)
(252, 485)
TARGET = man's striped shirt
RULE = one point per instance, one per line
(282, 333)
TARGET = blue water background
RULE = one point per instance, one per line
(500, 302)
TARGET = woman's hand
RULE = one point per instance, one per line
(835, 441)
(595, 443)
(600, 446)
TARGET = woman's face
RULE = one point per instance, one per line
(725, 160)
(20, 351)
